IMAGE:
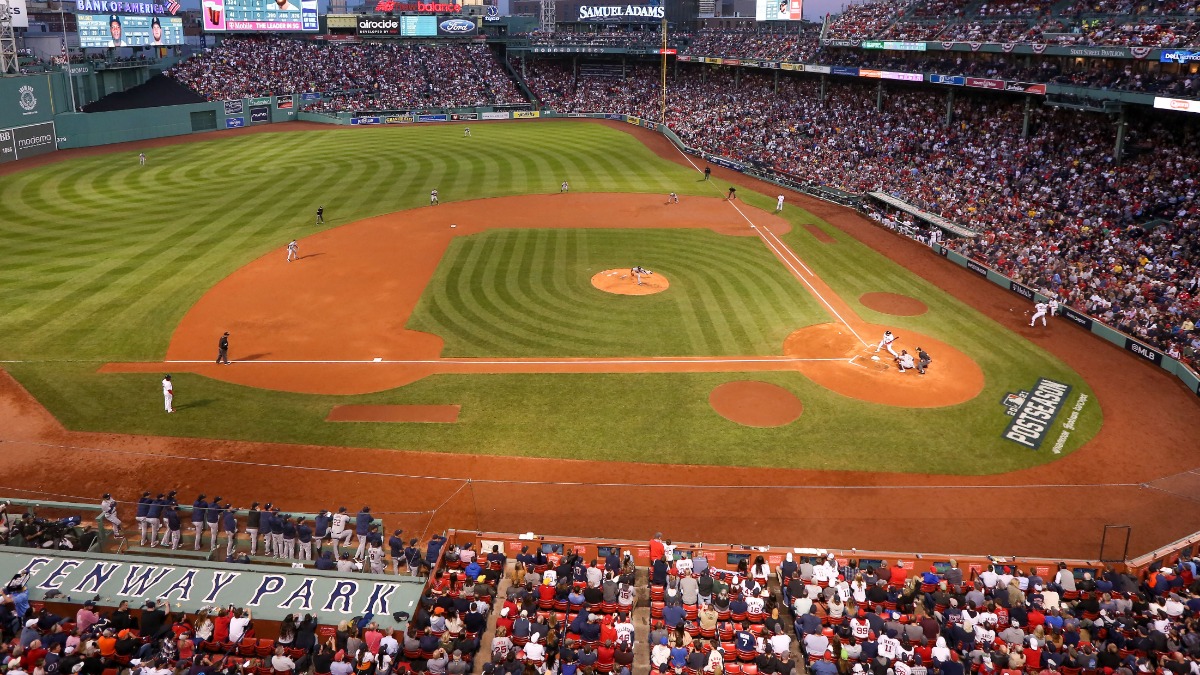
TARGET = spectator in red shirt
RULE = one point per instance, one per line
(221, 626)
(657, 549)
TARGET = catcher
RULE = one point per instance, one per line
(905, 361)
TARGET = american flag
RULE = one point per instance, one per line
(172, 6)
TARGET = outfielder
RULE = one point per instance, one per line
(293, 251)
(637, 273)
(142, 159)
(433, 198)
(320, 215)
(168, 394)
(905, 361)
(886, 342)
(565, 187)
(466, 132)
(778, 203)
(1040, 310)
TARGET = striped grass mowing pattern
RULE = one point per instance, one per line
(529, 293)
(103, 257)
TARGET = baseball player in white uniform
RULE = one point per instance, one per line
(433, 198)
(466, 132)
(1040, 310)
(565, 187)
(886, 342)
(672, 198)
(142, 159)
(338, 530)
(108, 509)
(293, 251)
(778, 203)
(637, 273)
(168, 394)
(1053, 306)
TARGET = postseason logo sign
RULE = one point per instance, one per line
(1033, 412)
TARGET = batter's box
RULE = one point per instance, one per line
(865, 361)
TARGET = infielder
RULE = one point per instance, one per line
(778, 203)
(886, 342)
(293, 251)
(672, 198)
(168, 394)
(637, 273)
(1040, 311)
(905, 361)
(433, 198)
(564, 187)
(108, 509)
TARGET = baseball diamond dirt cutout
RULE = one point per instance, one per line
(893, 303)
(755, 404)
(315, 327)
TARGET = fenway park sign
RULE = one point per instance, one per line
(618, 13)
(423, 7)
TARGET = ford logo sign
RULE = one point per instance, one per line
(457, 26)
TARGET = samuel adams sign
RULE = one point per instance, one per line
(620, 13)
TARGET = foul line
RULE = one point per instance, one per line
(517, 362)
(497, 481)
(782, 256)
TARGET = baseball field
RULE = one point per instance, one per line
(116, 274)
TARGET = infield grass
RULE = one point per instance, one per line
(102, 258)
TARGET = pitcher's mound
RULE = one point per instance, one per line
(893, 303)
(755, 404)
(621, 282)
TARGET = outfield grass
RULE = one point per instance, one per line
(103, 258)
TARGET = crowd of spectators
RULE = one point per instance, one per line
(792, 45)
(865, 21)
(388, 76)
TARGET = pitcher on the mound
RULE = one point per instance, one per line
(886, 343)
